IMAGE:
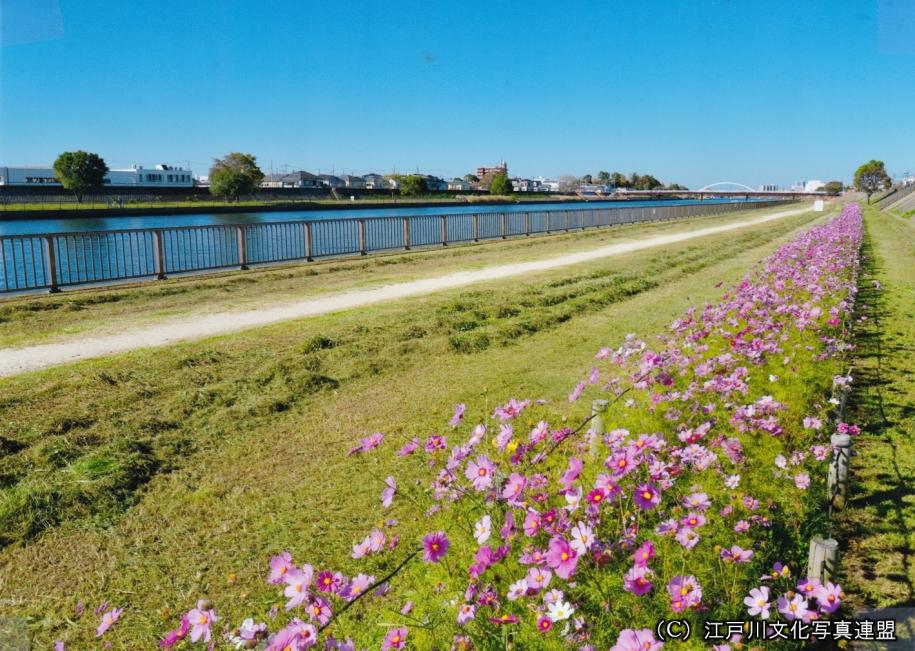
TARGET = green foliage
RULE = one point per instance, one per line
(603, 177)
(500, 184)
(471, 178)
(871, 177)
(235, 175)
(833, 188)
(413, 185)
(676, 186)
(80, 171)
(619, 180)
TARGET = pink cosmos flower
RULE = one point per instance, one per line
(736, 555)
(802, 480)
(636, 640)
(514, 487)
(582, 538)
(685, 592)
(510, 410)
(636, 580)
(458, 415)
(829, 597)
(435, 546)
(408, 448)
(359, 584)
(758, 602)
(646, 497)
(516, 590)
(508, 529)
(480, 472)
(368, 443)
(201, 619)
(571, 474)
(279, 566)
(544, 624)
(796, 608)
(108, 620)
(561, 557)
(173, 637)
(396, 638)
(811, 422)
(577, 391)
(643, 554)
(465, 613)
(697, 501)
(297, 582)
(387, 495)
(505, 618)
(319, 610)
(538, 578)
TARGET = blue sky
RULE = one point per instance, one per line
(693, 92)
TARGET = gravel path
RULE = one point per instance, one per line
(20, 360)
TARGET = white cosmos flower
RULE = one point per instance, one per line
(482, 529)
(559, 611)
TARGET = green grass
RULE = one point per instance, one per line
(879, 524)
(48, 318)
(153, 478)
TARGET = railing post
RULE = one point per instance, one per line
(309, 242)
(502, 225)
(822, 559)
(50, 264)
(597, 429)
(444, 227)
(837, 477)
(475, 227)
(361, 237)
(565, 220)
(158, 255)
(549, 220)
(406, 233)
(581, 220)
(242, 247)
(527, 224)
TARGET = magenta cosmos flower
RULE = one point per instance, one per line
(643, 554)
(561, 557)
(458, 415)
(396, 638)
(201, 619)
(636, 580)
(435, 546)
(646, 497)
(279, 566)
(387, 495)
(636, 640)
(479, 472)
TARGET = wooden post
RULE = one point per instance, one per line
(502, 225)
(406, 233)
(158, 255)
(598, 427)
(242, 247)
(475, 227)
(444, 225)
(50, 259)
(309, 243)
(837, 479)
(361, 237)
(823, 559)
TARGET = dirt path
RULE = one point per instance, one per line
(20, 360)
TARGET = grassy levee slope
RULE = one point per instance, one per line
(879, 524)
(38, 319)
(154, 478)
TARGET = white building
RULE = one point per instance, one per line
(160, 176)
(813, 186)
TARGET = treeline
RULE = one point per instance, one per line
(634, 181)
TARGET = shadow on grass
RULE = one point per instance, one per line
(876, 514)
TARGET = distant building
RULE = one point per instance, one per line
(160, 176)
(434, 183)
(458, 185)
(330, 181)
(351, 181)
(813, 186)
(768, 187)
(300, 179)
(501, 168)
(375, 182)
(545, 185)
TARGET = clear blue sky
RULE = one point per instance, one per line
(690, 91)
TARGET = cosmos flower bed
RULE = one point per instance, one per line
(695, 502)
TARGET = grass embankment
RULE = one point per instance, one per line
(879, 524)
(154, 478)
(47, 318)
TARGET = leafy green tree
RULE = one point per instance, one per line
(677, 187)
(833, 188)
(645, 182)
(871, 177)
(413, 185)
(80, 171)
(235, 175)
(500, 184)
(471, 178)
(618, 180)
(603, 177)
(587, 179)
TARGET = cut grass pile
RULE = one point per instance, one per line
(150, 478)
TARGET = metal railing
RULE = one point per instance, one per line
(54, 260)
(894, 194)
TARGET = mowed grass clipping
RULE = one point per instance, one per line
(878, 526)
(155, 478)
(35, 319)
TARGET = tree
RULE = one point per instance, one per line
(871, 177)
(235, 175)
(500, 184)
(413, 185)
(677, 187)
(833, 188)
(80, 171)
(471, 178)
(603, 177)
(645, 182)
(568, 183)
(618, 180)
(587, 179)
